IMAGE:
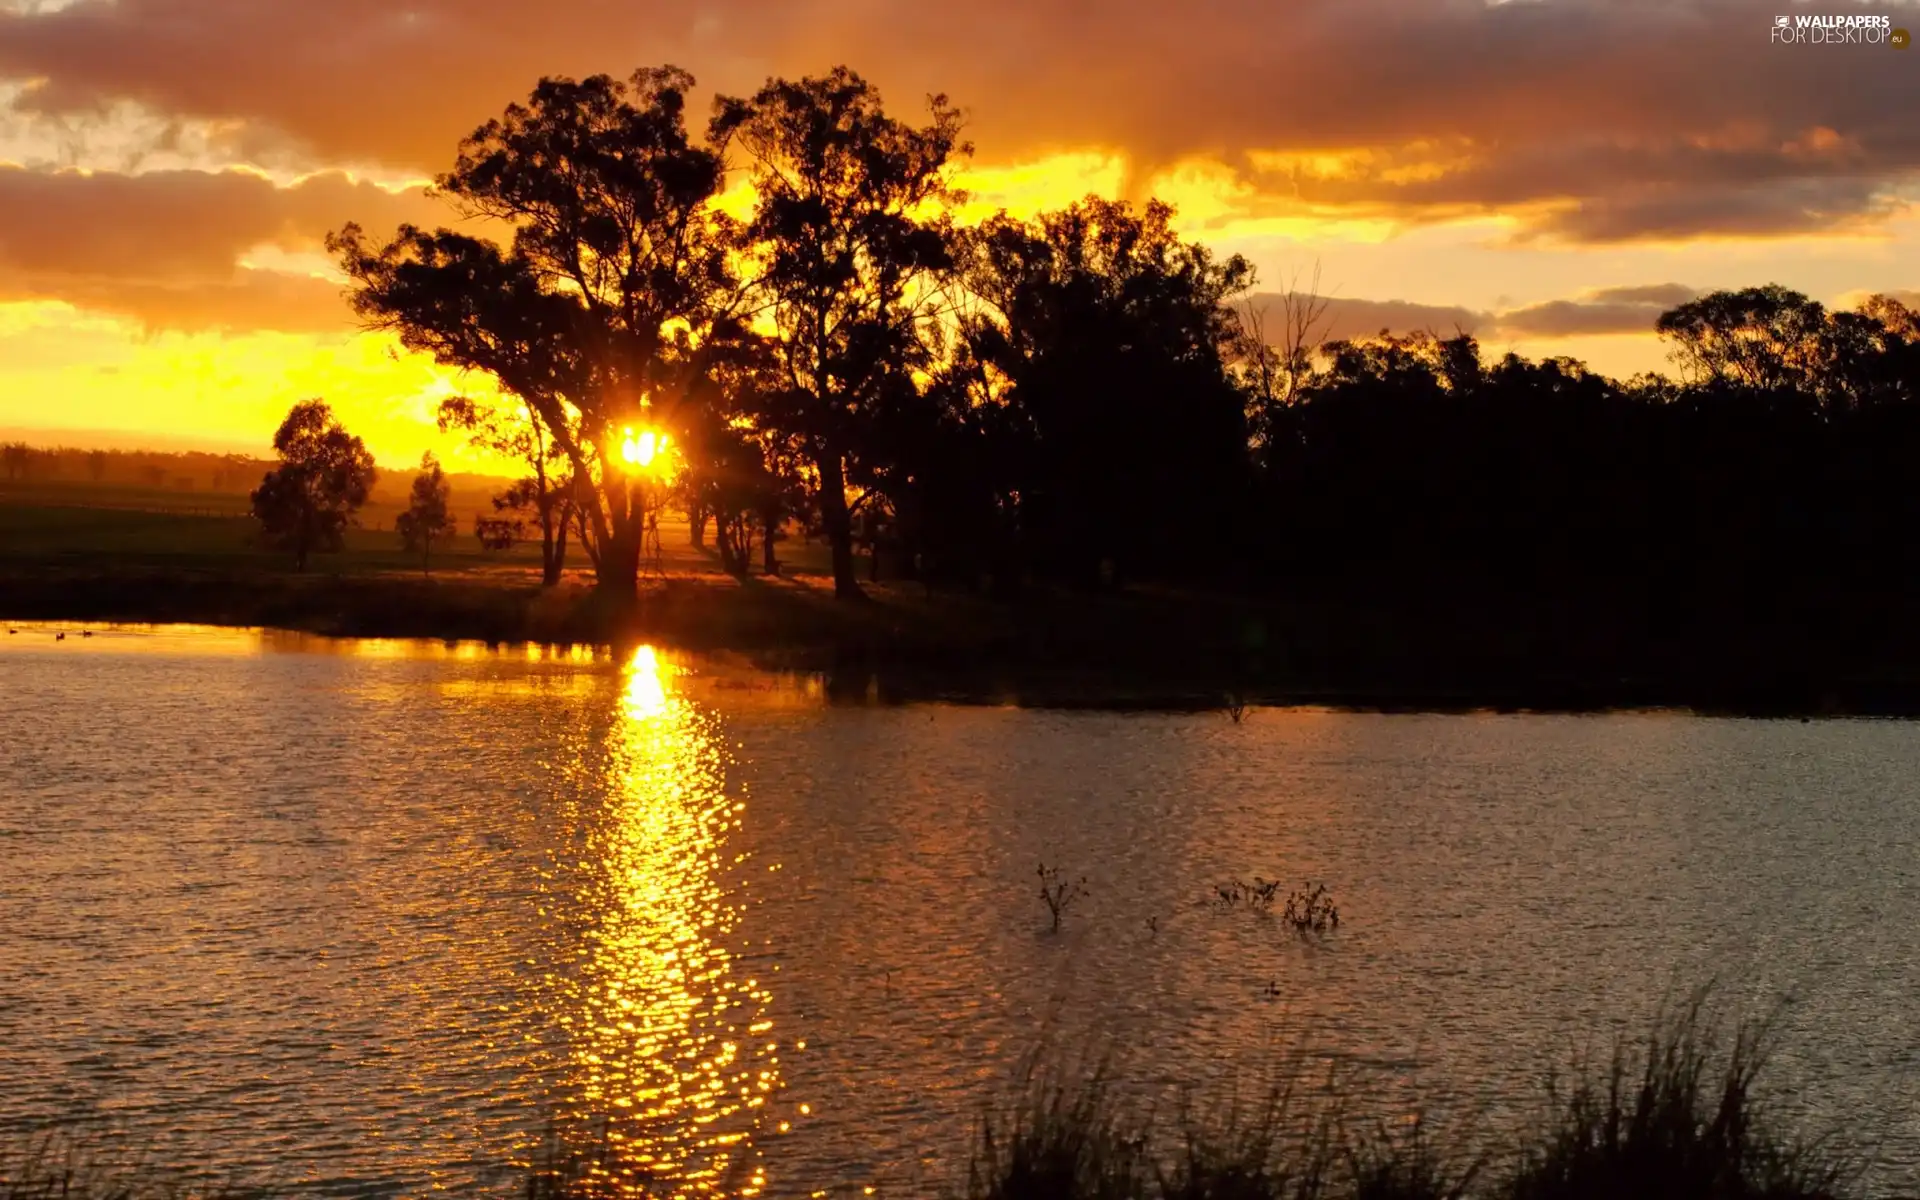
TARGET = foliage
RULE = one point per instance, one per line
(325, 474)
(511, 428)
(616, 278)
(1085, 397)
(498, 534)
(1098, 345)
(1675, 1119)
(1679, 1119)
(848, 238)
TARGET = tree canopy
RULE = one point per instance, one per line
(325, 474)
(1083, 397)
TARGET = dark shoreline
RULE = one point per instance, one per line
(1143, 651)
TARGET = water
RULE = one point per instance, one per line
(367, 917)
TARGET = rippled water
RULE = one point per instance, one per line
(368, 916)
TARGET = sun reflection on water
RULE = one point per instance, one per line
(672, 1047)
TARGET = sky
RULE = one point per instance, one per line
(1547, 174)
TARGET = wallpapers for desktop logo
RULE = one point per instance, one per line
(1826, 29)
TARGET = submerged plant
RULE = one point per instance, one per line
(1312, 912)
(1258, 895)
(1058, 893)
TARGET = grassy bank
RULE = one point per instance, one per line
(1157, 647)
(1679, 1117)
(1140, 647)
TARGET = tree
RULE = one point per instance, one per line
(325, 474)
(742, 470)
(1106, 338)
(1760, 338)
(1274, 361)
(497, 534)
(426, 519)
(849, 236)
(512, 428)
(597, 313)
(97, 465)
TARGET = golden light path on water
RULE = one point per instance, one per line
(671, 1045)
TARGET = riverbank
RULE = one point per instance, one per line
(1138, 647)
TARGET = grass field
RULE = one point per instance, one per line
(76, 524)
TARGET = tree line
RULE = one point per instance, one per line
(1085, 397)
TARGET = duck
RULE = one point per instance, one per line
(86, 633)
(59, 637)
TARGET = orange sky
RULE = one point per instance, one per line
(1546, 173)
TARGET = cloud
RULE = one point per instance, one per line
(1344, 318)
(1590, 120)
(250, 300)
(1613, 310)
(168, 248)
(1606, 311)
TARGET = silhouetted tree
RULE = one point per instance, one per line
(97, 465)
(497, 534)
(426, 519)
(1106, 338)
(849, 235)
(325, 474)
(512, 429)
(616, 277)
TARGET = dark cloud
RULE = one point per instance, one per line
(1610, 310)
(172, 223)
(166, 247)
(1603, 311)
(1666, 295)
(247, 301)
(1599, 119)
(1350, 318)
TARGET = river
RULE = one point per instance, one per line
(371, 918)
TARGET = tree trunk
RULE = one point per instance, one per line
(768, 563)
(617, 572)
(838, 524)
(730, 561)
(697, 526)
(553, 554)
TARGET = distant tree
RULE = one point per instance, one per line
(97, 465)
(426, 519)
(325, 474)
(850, 235)
(497, 534)
(512, 428)
(18, 457)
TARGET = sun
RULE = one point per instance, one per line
(641, 451)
